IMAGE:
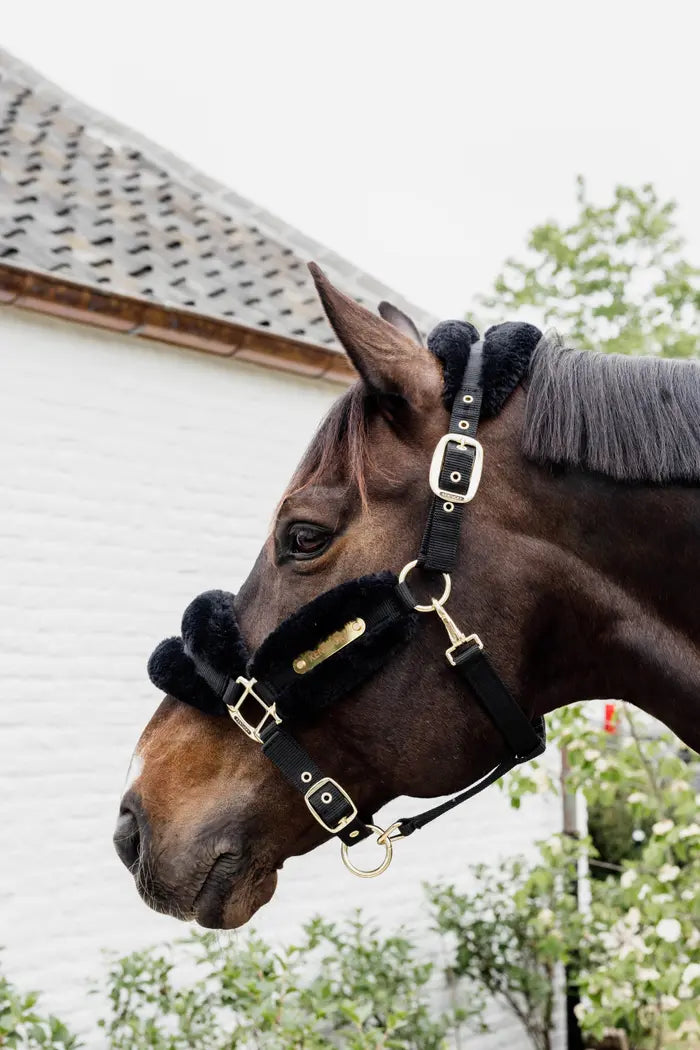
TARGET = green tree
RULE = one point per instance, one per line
(615, 279)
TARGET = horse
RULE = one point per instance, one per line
(578, 569)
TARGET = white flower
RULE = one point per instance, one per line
(540, 779)
(668, 1002)
(669, 872)
(689, 832)
(591, 754)
(601, 765)
(554, 846)
(632, 918)
(644, 891)
(546, 916)
(687, 895)
(691, 973)
(648, 973)
(628, 877)
(636, 796)
(633, 945)
(662, 827)
(676, 786)
(575, 745)
(580, 1011)
(669, 930)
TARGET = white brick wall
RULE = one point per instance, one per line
(130, 480)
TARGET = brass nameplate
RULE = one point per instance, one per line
(336, 641)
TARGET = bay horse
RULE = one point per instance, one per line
(578, 569)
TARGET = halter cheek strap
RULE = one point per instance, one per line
(334, 643)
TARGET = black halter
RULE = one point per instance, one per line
(335, 642)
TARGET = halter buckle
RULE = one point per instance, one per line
(437, 463)
(329, 782)
(234, 710)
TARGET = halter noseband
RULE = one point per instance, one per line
(301, 668)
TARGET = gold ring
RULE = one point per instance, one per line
(436, 601)
(388, 853)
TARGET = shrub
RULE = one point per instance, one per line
(637, 967)
(22, 1026)
(513, 932)
(342, 986)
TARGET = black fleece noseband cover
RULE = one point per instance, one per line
(194, 668)
(388, 625)
(211, 645)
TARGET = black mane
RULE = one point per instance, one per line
(631, 418)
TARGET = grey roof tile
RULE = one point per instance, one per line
(91, 200)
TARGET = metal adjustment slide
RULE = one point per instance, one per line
(269, 710)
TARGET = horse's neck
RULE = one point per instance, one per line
(609, 580)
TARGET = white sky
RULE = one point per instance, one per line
(420, 139)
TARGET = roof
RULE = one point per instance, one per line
(99, 224)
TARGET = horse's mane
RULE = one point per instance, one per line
(632, 418)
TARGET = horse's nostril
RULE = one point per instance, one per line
(127, 839)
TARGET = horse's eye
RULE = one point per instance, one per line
(306, 541)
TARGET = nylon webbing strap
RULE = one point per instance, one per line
(407, 825)
(441, 537)
(474, 667)
(331, 805)
(525, 739)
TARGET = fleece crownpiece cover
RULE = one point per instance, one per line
(507, 351)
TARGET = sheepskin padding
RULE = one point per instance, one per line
(507, 351)
(173, 670)
(300, 697)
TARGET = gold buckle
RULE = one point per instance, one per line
(438, 459)
(250, 730)
(344, 821)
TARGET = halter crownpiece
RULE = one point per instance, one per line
(338, 640)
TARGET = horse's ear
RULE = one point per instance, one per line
(400, 320)
(391, 363)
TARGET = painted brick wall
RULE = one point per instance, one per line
(131, 478)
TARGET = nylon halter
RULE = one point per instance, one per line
(301, 668)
